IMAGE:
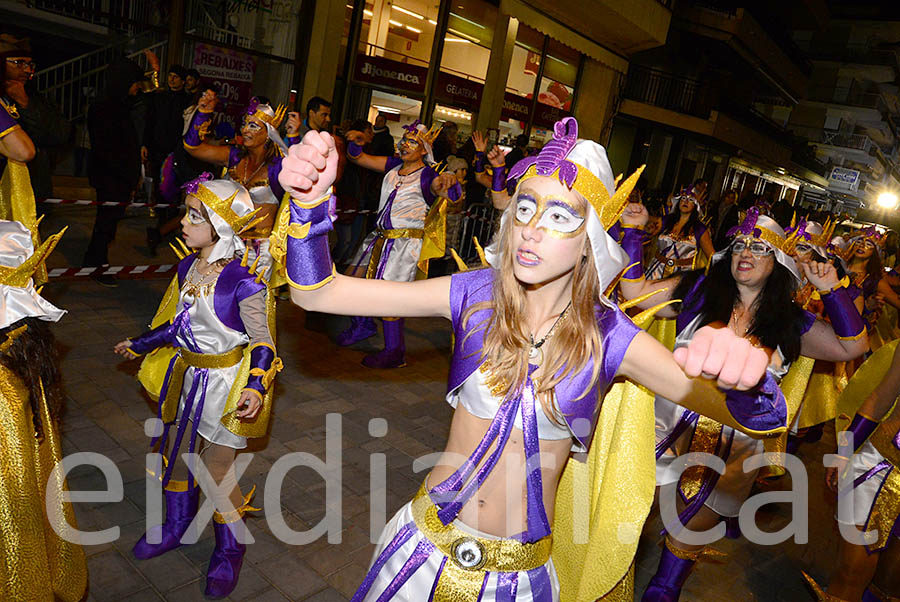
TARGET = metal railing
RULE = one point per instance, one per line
(122, 15)
(839, 138)
(853, 95)
(668, 91)
(74, 84)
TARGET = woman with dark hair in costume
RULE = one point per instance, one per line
(537, 343)
(255, 165)
(749, 289)
(39, 559)
(681, 239)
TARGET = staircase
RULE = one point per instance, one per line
(75, 83)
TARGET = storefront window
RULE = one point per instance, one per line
(398, 110)
(402, 31)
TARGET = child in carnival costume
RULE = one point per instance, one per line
(211, 363)
(537, 343)
(410, 219)
(40, 558)
(255, 165)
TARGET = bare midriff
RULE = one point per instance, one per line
(499, 507)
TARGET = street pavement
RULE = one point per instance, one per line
(106, 410)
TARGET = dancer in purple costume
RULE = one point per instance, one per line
(536, 346)
(212, 339)
(410, 186)
(749, 290)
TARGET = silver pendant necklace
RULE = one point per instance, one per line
(535, 353)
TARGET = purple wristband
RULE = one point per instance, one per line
(292, 140)
(861, 428)
(192, 136)
(261, 357)
(633, 244)
(479, 162)
(308, 257)
(354, 150)
(7, 121)
(844, 317)
(498, 182)
(762, 409)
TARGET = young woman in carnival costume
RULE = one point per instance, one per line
(866, 476)
(404, 228)
(682, 238)
(815, 384)
(536, 345)
(749, 289)
(41, 559)
(255, 165)
(211, 363)
(867, 272)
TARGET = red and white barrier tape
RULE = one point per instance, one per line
(119, 271)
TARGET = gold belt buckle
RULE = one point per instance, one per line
(468, 553)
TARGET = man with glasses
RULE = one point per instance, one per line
(38, 116)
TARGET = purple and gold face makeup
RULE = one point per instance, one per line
(551, 213)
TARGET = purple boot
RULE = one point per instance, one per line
(181, 507)
(672, 572)
(360, 330)
(394, 353)
(227, 558)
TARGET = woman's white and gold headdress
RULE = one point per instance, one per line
(581, 165)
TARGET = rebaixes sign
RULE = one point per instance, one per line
(394, 74)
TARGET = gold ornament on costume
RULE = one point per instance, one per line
(273, 120)
(20, 277)
(222, 208)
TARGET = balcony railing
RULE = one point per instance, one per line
(668, 91)
(130, 16)
(853, 95)
(859, 142)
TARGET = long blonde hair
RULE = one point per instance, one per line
(575, 341)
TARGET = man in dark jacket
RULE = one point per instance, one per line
(38, 116)
(382, 142)
(114, 166)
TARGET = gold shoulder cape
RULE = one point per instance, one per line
(35, 562)
(17, 204)
(152, 373)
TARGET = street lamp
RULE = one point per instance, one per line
(888, 200)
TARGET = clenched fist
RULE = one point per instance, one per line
(309, 169)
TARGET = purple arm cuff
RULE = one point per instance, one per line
(261, 357)
(845, 319)
(152, 339)
(861, 428)
(308, 258)
(633, 244)
(479, 162)
(192, 137)
(498, 183)
(292, 140)
(7, 122)
(454, 192)
(354, 150)
(762, 409)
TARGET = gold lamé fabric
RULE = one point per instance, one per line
(434, 243)
(705, 439)
(601, 504)
(885, 510)
(861, 385)
(17, 203)
(37, 564)
(500, 555)
(384, 235)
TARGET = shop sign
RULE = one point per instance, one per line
(546, 115)
(515, 107)
(232, 71)
(393, 74)
(843, 178)
(458, 91)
